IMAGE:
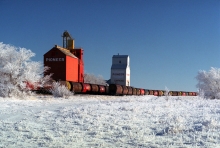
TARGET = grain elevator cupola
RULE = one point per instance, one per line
(68, 41)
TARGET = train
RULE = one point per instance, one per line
(113, 90)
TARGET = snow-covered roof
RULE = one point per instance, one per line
(65, 51)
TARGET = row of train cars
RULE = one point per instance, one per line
(113, 89)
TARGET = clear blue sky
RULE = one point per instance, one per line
(168, 41)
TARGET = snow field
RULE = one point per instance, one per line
(110, 121)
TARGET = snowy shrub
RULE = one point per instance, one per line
(90, 78)
(59, 90)
(18, 73)
(166, 94)
(209, 83)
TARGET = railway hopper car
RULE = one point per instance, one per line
(115, 89)
(86, 88)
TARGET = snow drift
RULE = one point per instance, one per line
(109, 121)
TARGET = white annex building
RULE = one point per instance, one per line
(120, 70)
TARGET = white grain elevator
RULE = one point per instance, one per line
(120, 70)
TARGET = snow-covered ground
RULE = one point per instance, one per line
(110, 121)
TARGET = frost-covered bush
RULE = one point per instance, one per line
(18, 74)
(90, 78)
(209, 83)
(59, 90)
(166, 93)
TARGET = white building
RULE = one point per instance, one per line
(120, 70)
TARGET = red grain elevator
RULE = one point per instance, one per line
(66, 64)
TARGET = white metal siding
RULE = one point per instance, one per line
(120, 70)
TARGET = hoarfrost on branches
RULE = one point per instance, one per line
(90, 78)
(209, 83)
(18, 73)
(59, 90)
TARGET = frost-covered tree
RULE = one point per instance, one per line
(90, 78)
(18, 74)
(209, 83)
(59, 90)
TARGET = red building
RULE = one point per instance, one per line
(65, 64)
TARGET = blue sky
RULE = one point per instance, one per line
(168, 41)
